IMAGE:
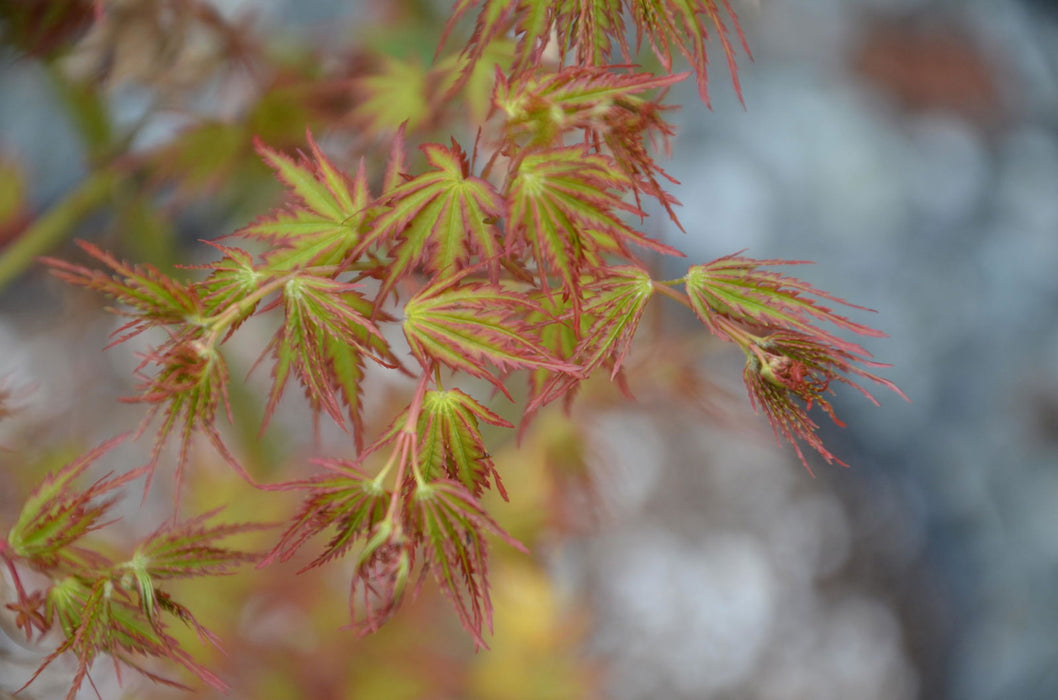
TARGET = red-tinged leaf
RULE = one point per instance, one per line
(188, 386)
(453, 526)
(614, 304)
(788, 372)
(450, 442)
(57, 514)
(155, 298)
(591, 31)
(189, 548)
(470, 326)
(736, 287)
(605, 105)
(326, 333)
(678, 25)
(345, 500)
(581, 94)
(98, 617)
(559, 332)
(564, 205)
(233, 285)
(326, 222)
(439, 220)
(381, 577)
(493, 22)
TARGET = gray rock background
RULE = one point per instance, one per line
(909, 148)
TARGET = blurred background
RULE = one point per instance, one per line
(908, 147)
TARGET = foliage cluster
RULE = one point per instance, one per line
(508, 258)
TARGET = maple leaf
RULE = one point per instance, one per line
(736, 287)
(56, 515)
(564, 205)
(605, 105)
(575, 97)
(356, 509)
(98, 617)
(614, 302)
(679, 25)
(188, 387)
(788, 372)
(453, 526)
(450, 441)
(155, 298)
(326, 334)
(396, 93)
(233, 279)
(471, 325)
(344, 499)
(591, 31)
(790, 360)
(325, 223)
(440, 219)
(182, 550)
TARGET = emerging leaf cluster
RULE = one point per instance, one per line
(512, 261)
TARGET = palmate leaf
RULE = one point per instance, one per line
(325, 222)
(453, 525)
(587, 29)
(155, 298)
(614, 304)
(183, 550)
(564, 205)
(685, 26)
(606, 105)
(450, 442)
(736, 287)
(188, 386)
(57, 514)
(789, 372)
(326, 334)
(345, 500)
(398, 92)
(592, 31)
(574, 97)
(440, 219)
(98, 617)
(189, 548)
(469, 326)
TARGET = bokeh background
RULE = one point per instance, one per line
(908, 147)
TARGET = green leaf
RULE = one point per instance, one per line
(606, 106)
(156, 299)
(440, 219)
(397, 93)
(470, 326)
(345, 500)
(99, 617)
(450, 441)
(736, 287)
(614, 304)
(564, 205)
(326, 333)
(57, 514)
(453, 525)
(325, 223)
(188, 548)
